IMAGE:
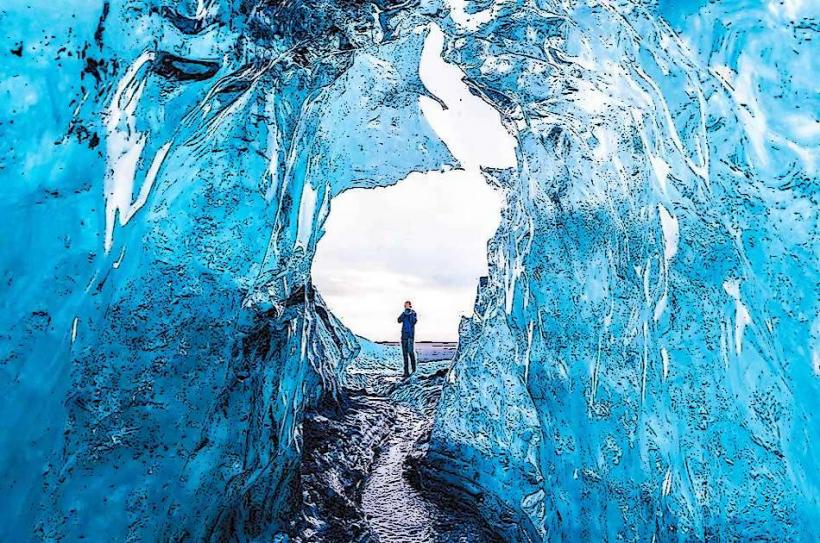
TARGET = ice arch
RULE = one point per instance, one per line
(424, 238)
(642, 360)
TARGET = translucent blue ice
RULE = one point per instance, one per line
(165, 178)
(643, 363)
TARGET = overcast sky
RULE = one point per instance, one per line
(425, 238)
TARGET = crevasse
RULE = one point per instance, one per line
(642, 363)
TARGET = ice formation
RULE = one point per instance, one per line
(643, 362)
(167, 175)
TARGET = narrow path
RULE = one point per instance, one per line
(355, 489)
(398, 513)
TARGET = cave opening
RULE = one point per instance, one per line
(425, 238)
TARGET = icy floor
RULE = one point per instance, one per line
(355, 474)
(398, 513)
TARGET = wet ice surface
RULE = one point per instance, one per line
(340, 448)
(355, 475)
(396, 511)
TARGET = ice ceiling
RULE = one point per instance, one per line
(424, 238)
(643, 362)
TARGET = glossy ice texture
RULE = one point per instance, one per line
(164, 186)
(643, 362)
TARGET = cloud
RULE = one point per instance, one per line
(419, 240)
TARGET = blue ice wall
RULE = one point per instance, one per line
(643, 362)
(166, 170)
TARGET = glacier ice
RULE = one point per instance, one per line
(166, 175)
(643, 359)
(642, 364)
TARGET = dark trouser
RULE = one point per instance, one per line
(408, 353)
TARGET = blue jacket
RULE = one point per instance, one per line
(408, 323)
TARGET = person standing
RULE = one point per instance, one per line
(408, 331)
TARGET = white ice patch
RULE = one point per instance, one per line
(124, 151)
(665, 362)
(607, 144)
(742, 316)
(660, 307)
(74, 324)
(471, 21)
(116, 265)
(743, 87)
(471, 128)
(671, 233)
(666, 488)
(661, 169)
(307, 208)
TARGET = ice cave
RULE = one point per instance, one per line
(642, 359)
